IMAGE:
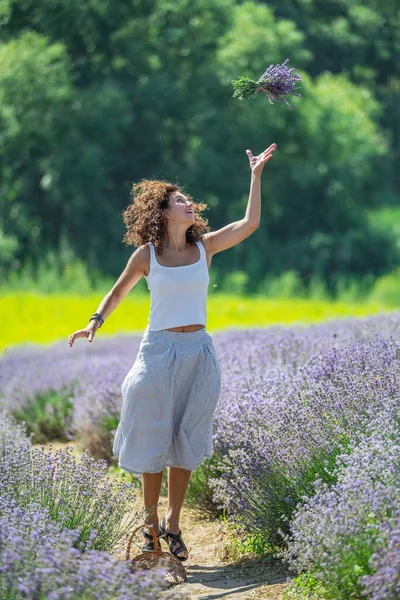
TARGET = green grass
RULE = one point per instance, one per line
(41, 319)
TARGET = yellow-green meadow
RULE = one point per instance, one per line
(36, 318)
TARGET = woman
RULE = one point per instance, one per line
(171, 392)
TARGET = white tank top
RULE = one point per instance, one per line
(178, 295)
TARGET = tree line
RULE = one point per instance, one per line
(96, 95)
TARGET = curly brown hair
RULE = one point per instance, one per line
(144, 218)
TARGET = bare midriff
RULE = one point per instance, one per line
(185, 328)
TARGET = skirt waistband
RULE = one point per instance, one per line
(176, 336)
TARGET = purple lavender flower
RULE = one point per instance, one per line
(293, 400)
(59, 522)
(39, 561)
(64, 394)
(281, 423)
(276, 82)
(384, 583)
(78, 494)
(345, 532)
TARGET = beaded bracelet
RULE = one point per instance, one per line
(97, 317)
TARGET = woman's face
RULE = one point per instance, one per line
(180, 209)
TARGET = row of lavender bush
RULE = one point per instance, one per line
(280, 430)
(69, 393)
(310, 417)
(294, 403)
(60, 521)
(347, 535)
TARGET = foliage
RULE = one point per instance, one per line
(387, 289)
(94, 97)
(199, 492)
(46, 416)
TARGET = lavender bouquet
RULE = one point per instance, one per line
(277, 82)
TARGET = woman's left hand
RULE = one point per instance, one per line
(257, 162)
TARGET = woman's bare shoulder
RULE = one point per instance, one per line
(144, 257)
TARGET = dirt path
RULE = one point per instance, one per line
(210, 576)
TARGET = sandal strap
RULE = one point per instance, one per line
(176, 538)
(149, 536)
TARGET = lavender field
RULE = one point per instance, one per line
(306, 444)
(60, 521)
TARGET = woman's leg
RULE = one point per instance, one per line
(178, 481)
(151, 485)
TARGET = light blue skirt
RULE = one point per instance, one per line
(169, 398)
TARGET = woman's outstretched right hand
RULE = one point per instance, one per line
(89, 332)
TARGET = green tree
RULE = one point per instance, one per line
(94, 96)
(35, 88)
(361, 38)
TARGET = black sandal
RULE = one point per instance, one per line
(149, 547)
(176, 537)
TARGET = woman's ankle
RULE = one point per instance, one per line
(172, 524)
(154, 524)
